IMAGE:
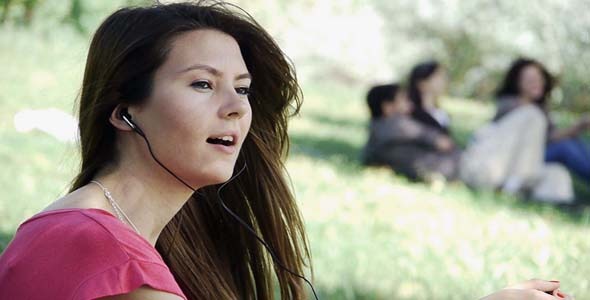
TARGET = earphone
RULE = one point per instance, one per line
(126, 117)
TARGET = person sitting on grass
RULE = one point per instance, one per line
(427, 84)
(528, 79)
(416, 150)
(507, 153)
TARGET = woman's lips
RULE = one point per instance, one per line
(225, 142)
(225, 149)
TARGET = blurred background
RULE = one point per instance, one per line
(373, 234)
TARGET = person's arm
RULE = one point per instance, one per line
(573, 131)
(406, 130)
(433, 138)
(144, 293)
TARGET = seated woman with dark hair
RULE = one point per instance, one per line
(411, 148)
(529, 81)
(508, 152)
(427, 83)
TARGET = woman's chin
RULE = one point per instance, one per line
(218, 178)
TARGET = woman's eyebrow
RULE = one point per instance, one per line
(244, 76)
(213, 71)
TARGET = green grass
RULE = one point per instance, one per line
(374, 235)
(39, 71)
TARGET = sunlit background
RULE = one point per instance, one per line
(373, 234)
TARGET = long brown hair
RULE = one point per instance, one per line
(210, 255)
(510, 85)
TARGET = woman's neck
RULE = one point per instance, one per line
(149, 201)
(525, 100)
(428, 101)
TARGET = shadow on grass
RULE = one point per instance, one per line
(339, 122)
(328, 148)
(582, 189)
(576, 213)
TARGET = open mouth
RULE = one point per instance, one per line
(226, 140)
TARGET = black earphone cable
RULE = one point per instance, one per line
(243, 223)
(127, 118)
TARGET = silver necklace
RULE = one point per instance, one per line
(120, 213)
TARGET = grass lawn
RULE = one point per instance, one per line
(373, 234)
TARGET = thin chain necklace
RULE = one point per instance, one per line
(120, 213)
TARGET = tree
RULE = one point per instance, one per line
(478, 39)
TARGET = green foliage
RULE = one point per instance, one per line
(478, 39)
(78, 13)
(379, 40)
(29, 7)
(75, 14)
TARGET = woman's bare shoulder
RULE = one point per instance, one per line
(84, 197)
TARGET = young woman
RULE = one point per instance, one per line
(175, 98)
(508, 152)
(528, 81)
(427, 83)
(211, 91)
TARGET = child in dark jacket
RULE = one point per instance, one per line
(407, 146)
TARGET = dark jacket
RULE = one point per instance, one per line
(408, 147)
(425, 118)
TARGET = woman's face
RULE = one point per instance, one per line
(531, 83)
(198, 113)
(436, 84)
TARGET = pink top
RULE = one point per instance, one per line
(80, 254)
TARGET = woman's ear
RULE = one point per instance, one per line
(117, 120)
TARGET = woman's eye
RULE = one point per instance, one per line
(243, 91)
(201, 85)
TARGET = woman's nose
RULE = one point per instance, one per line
(235, 106)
